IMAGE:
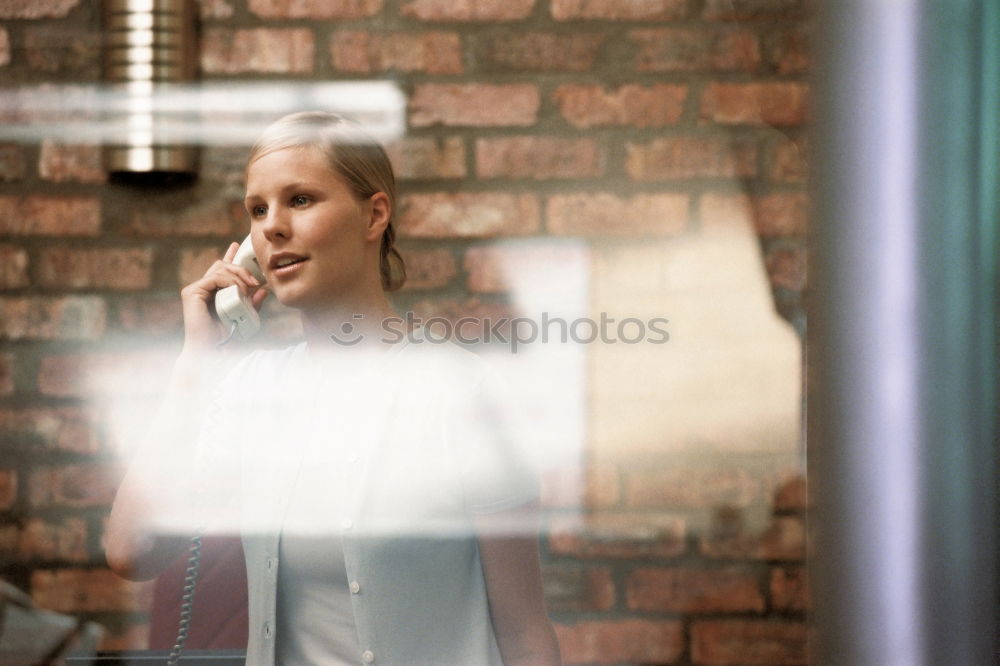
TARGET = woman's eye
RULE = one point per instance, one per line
(300, 200)
(258, 211)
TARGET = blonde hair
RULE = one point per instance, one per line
(353, 155)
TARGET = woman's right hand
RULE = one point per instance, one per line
(201, 327)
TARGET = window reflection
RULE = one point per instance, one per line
(627, 178)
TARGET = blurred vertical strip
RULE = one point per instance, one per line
(902, 342)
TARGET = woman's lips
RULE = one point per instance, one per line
(289, 270)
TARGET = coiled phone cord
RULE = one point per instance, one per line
(229, 337)
(187, 600)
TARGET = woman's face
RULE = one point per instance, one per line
(311, 235)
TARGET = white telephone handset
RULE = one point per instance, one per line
(233, 305)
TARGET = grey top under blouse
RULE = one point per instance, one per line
(314, 615)
(416, 442)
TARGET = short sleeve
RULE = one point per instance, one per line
(490, 439)
(217, 433)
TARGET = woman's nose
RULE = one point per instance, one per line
(276, 223)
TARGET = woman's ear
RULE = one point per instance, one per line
(379, 215)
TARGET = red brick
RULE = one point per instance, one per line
(261, 50)
(689, 590)
(60, 49)
(11, 162)
(131, 375)
(209, 217)
(786, 266)
(741, 10)
(540, 52)
(748, 642)
(468, 10)
(790, 589)
(8, 488)
(58, 428)
(787, 50)
(691, 487)
(366, 52)
(658, 105)
(10, 536)
(33, 9)
(619, 10)
(783, 214)
(4, 47)
(478, 322)
(41, 318)
(474, 104)
(104, 268)
(75, 163)
(195, 261)
(156, 315)
(594, 486)
(606, 214)
(315, 9)
(538, 158)
(13, 267)
(6, 374)
(424, 157)
(454, 309)
(468, 215)
(65, 539)
(783, 539)
(677, 158)
(128, 635)
(573, 588)
(223, 164)
(618, 535)
(429, 269)
(215, 9)
(38, 215)
(789, 161)
(777, 104)
(695, 49)
(88, 591)
(792, 494)
(500, 268)
(610, 641)
(75, 486)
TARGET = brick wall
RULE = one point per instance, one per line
(597, 120)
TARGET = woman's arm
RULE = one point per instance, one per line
(508, 548)
(156, 511)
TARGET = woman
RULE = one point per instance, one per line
(386, 513)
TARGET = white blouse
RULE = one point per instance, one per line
(412, 446)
